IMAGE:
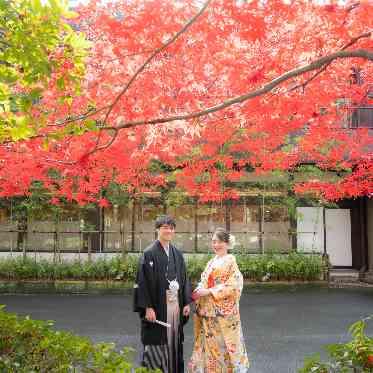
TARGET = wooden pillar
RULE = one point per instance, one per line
(363, 232)
(228, 215)
(101, 229)
(133, 224)
(196, 226)
(324, 229)
(261, 223)
(292, 217)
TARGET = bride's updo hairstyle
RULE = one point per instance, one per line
(223, 235)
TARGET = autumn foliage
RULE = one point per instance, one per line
(98, 136)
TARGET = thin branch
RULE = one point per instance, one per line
(6, 63)
(66, 163)
(319, 63)
(141, 69)
(155, 53)
(353, 6)
(105, 146)
(119, 58)
(314, 76)
(71, 119)
(5, 43)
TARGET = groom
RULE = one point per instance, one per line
(161, 297)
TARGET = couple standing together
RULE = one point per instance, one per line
(162, 297)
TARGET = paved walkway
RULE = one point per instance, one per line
(281, 325)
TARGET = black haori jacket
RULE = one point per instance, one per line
(150, 291)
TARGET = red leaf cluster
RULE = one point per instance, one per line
(233, 48)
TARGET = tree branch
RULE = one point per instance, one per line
(105, 146)
(319, 63)
(6, 63)
(155, 53)
(137, 73)
(72, 119)
(349, 44)
(140, 70)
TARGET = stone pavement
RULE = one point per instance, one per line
(281, 325)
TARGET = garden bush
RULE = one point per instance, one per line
(282, 267)
(271, 266)
(32, 346)
(355, 356)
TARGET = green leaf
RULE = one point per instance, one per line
(91, 125)
(22, 130)
(61, 83)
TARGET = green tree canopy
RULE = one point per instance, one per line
(38, 47)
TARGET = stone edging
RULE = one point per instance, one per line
(120, 287)
(110, 287)
(357, 284)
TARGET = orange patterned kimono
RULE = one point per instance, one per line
(219, 346)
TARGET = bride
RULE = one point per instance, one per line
(219, 346)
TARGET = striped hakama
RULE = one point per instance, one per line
(165, 357)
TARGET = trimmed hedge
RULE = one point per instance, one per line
(29, 269)
(31, 346)
(300, 267)
(281, 267)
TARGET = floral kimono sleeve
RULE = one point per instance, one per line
(227, 281)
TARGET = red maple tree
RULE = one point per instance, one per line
(207, 92)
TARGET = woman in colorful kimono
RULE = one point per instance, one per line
(219, 346)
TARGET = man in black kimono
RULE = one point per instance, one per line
(162, 295)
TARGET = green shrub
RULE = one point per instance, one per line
(355, 356)
(28, 346)
(128, 267)
(280, 266)
(253, 267)
(196, 264)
